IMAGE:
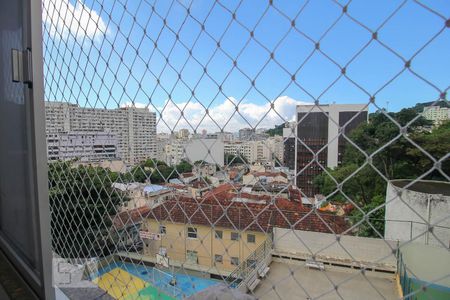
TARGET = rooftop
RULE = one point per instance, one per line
(187, 174)
(269, 174)
(427, 263)
(124, 187)
(424, 186)
(154, 188)
(219, 208)
(287, 279)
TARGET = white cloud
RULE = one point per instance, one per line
(225, 115)
(64, 19)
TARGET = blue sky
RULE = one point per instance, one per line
(91, 57)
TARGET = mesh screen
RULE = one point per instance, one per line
(259, 149)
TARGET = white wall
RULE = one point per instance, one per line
(197, 149)
(417, 208)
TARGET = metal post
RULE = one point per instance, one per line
(410, 230)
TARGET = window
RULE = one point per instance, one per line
(235, 261)
(192, 232)
(218, 234)
(162, 229)
(218, 258)
(251, 263)
(235, 236)
(251, 238)
(191, 256)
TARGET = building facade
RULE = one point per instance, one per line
(246, 133)
(174, 152)
(269, 150)
(436, 114)
(320, 142)
(183, 134)
(224, 136)
(222, 248)
(162, 141)
(135, 128)
(82, 146)
(289, 147)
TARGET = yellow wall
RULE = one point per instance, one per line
(177, 244)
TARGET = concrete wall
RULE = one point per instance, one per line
(422, 203)
(349, 250)
(209, 150)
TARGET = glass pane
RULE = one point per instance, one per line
(16, 221)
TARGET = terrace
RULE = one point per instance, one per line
(287, 279)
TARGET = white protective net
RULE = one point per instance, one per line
(283, 149)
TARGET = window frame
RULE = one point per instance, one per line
(218, 236)
(191, 254)
(194, 230)
(234, 261)
(251, 263)
(238, 236)
(216, 261)
(254, 238)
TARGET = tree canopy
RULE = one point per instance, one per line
(156, 171)
(393, 155)
(82, 204)
(231, 159)
(276, 130)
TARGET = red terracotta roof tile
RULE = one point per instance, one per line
(269, 174)
(219, 208)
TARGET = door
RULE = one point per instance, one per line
(24, 218)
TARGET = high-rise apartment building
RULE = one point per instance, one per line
(183, 134)
(82, 146)
(289, 146)
(135, 128)
(246, 133)
(319, 134)
(175, 151)
(223, 136)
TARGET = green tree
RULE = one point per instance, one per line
(230, 159)
(82, 203)
(155, 171)
(436, 143)
(393, 157)
(277, 130)
(183, 167)
(375, 218)
(163, 173)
